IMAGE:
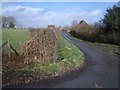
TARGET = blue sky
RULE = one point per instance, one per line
(56, 6)
(40, 14)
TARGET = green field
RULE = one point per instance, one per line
(16, 36)
(69, 57)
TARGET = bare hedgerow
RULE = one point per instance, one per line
(41, 46)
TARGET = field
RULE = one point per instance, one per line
(16, 36)
(67, 58)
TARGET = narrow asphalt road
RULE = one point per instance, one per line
(101, 71)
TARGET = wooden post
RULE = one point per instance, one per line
(20, 43)
(8, 46)
(2, 48)
(14, 50)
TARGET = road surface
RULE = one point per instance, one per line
(100, 72)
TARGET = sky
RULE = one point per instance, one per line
(41, 14)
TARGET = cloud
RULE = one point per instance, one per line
(40, 17)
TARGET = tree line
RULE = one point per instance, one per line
(107, 30)
(10, 22)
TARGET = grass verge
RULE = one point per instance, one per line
(113, 49)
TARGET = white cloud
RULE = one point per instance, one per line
(40, 17)
(96, 12)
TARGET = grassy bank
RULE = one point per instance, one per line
(67, 51)
(69, 57)
(16, 36)
(113, 49)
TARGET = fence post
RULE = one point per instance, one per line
(8, 46)
(20, 43)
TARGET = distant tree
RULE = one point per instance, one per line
(111, 19)
(8, 22)
(4, 22)
(98, 25)
(19, 26)
(66, 27)
(74, 22)
(11, 21)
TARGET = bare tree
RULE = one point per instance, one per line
(8, 22)
(4, 22)
(11, 20)
(74, 22)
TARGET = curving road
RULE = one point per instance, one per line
(101, 71)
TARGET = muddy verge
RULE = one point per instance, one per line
(34, 78)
